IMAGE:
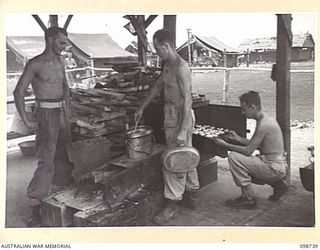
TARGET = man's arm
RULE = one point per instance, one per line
(233, 136)
(184, 81)
(252, 145)
(19, 93)
(66, 95)
(156, 88)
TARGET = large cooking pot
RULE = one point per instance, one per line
(180, 159)
(139, 142)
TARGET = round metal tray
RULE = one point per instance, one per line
(180, 159)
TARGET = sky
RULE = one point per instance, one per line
(230, 28)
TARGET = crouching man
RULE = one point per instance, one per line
(269, 167)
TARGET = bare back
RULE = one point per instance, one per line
(272, 142)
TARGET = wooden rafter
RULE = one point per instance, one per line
(39, 21)
(149, 20)
(66, 24)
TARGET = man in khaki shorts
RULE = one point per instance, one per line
(46, 75)
(269, 167)
(175, 79)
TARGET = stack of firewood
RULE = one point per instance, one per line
(107, 108)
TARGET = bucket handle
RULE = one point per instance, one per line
(140, 151)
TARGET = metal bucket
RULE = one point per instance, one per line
(139, 142)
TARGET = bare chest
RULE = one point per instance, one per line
(50, 73)
(170, 78)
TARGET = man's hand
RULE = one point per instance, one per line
(233, 136)
(138, 115)
(220, 142)
(30, 121)
(182, 138)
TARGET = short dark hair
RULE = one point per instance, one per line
(251, 98)
(54, 31)
(164, 35)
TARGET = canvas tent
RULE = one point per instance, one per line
(100, 47)
(209, 49)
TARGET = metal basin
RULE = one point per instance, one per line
(28, 148)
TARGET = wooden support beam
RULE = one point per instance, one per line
(39, 21)
(149, 20)
(284, 40)
(66, 24)
(169, 23)
(138, 23)
(53, 20)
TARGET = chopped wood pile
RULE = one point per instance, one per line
(108, 107)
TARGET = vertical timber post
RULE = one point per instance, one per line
(53, 20)
(225, 78)
(93, 73)
(284, 42)
(189, 47)
(142, 52)
(169, 23)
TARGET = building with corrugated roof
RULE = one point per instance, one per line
(264, 49)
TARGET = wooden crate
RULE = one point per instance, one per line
(207, 172)
(56, 214)
(58, 209)
(135, 210)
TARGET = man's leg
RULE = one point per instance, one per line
(174, 184)
(62, 165)
(46, 138)
(174, 187)
(191, 195)
(244, 168)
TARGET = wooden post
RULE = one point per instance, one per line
(189, 47)
(93, 73)
(284, 42)
(142, 52)
(248, 57)
(53, 20)
(169, 23)
(225, 78)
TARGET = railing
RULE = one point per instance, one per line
(227, 71)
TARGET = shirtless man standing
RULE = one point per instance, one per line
(178, 122)
(46, 75)
(270, 167)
